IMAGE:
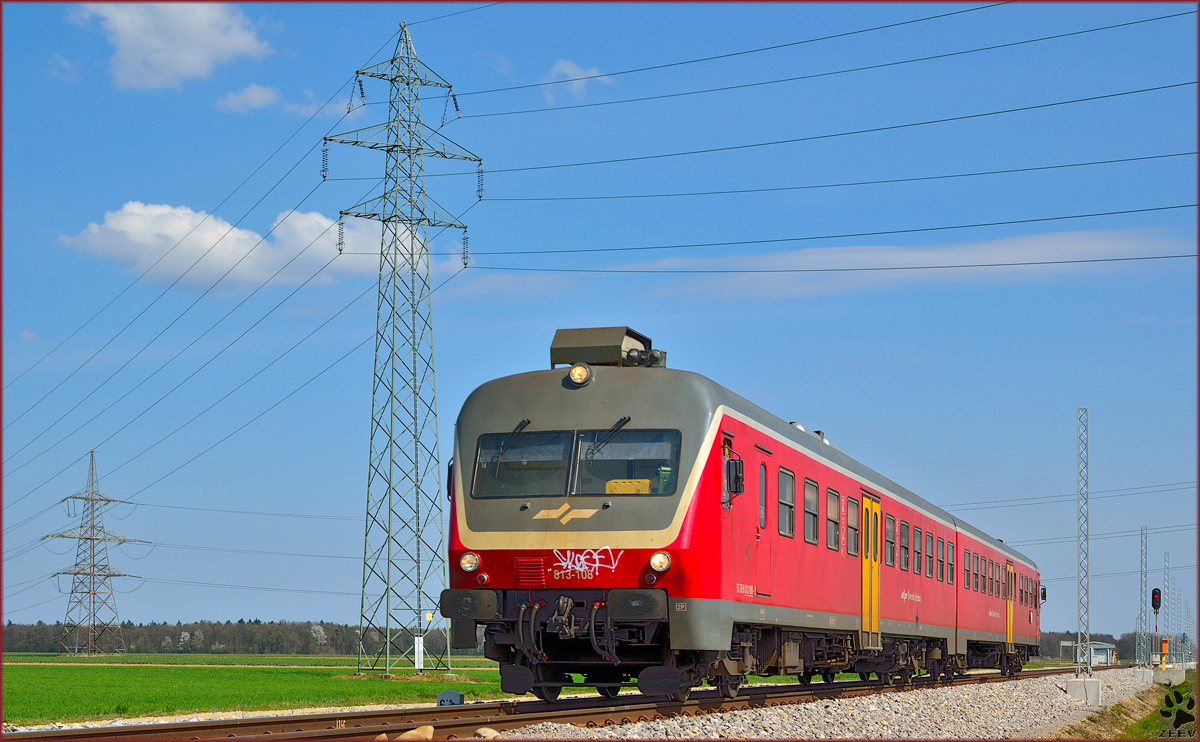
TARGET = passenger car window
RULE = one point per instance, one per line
(811, 492)
(929, 555)
(787, 503)
(918, 562)
(889, 541)
(852, 516)
(833, 525)
(950, 562)
(942, 559)
(903, 545)
(975, 559)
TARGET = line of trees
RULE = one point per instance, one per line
(215, 637)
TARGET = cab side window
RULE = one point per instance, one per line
(762, 495)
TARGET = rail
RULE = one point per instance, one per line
(456, 722)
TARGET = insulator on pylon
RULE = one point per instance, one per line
(466, 256)
(455, 99)
(362, 94)
(341, 234)
(479, 188)
(324, 159)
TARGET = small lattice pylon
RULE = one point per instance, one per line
(92, 625)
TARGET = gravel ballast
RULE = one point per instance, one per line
(1014, 709)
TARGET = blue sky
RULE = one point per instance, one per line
(125, 126)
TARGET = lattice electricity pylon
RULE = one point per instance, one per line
(1175, 625)
(1166, 594)
(92, 607)
(1083, 639)
(404, 562)
(1142, 638)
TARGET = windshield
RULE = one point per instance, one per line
(606, 462)
(627, 462)
(522, 464)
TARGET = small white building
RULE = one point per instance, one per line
(1104, 654)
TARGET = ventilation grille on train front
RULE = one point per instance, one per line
(531, 571)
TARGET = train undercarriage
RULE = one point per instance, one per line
(612, 639)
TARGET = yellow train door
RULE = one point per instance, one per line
(1008, 604)
(870, 573)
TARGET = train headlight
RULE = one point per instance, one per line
(660, 561)
(581, 374)
(469, 561)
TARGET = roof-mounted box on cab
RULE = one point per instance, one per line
(604, 346)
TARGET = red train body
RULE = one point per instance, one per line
(725, 543)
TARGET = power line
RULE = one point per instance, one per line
(1104, 536)
(799, 78)
(834, 270)
(1062, 500)
(257, 588)
(211, 212)
(1111, 574)
(302, 516)
(887, 181)
(817, 137)
(260, 371)
(35, 605)
(1035, 498)
(460, 12)
(732, 54)
(182, 351)
(171, 286)
(1051, 450)
(810, 238)
(190, 547)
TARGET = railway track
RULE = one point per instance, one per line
(457, 722)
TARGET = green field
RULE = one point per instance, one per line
(41, 693)
(44, 688)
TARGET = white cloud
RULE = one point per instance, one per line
(139, 234)
(248, 98)
(771, 285)
(565, 69)
(499, 63)
(312, 105)
(28, 336)
(62, 68)
(161, 45)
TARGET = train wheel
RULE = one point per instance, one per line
(609, 691)
(547, 694)
(681, 695)
(828, 676)
(905, 677)
(864, 676)
(728, 685)
(804, 678)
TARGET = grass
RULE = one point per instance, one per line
(44, 688)
(48, 693)
(1152, 724)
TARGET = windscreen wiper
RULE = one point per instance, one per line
(603, 440)
(499, 455)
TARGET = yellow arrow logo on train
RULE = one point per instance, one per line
(564, 519)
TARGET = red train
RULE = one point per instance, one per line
(618, 521)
